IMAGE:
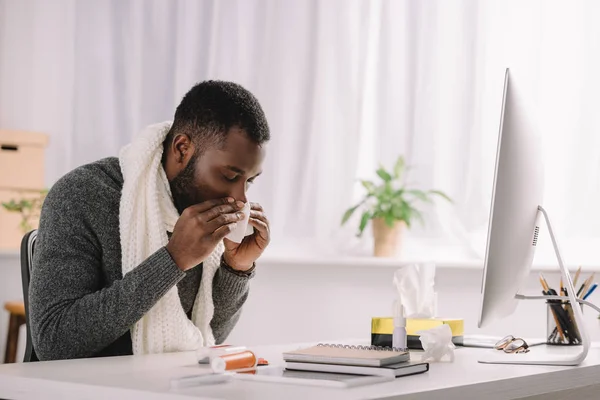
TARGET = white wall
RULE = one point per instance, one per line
(290, 303)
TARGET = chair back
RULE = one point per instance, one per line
(27, 247)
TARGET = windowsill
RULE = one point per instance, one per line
(322, 261)
(418, 251)
(374, 262)
(358, 262)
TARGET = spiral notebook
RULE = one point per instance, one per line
(341, 354)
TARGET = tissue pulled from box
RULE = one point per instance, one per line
(243, 228)
(437, 342)
(415, 288)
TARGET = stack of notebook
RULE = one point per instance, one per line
(358, 360)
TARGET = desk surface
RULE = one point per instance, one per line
(148, 377)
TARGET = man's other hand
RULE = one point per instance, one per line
(199, 229)
(241, 256)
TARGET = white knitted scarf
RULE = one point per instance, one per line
(146, 213)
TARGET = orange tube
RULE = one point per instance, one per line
(229, 362)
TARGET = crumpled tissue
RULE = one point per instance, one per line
(416, 292)
(243, 228)
(437, 342)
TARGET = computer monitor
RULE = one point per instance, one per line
(514, 225)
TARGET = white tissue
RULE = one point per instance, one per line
(437, 342)
(415, 287)
(243, 228)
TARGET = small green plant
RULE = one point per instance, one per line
(391, 200)
(29, 207)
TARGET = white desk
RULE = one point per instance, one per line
(148, 377)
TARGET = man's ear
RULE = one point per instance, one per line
(182, 148)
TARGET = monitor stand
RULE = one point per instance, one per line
(549, 355)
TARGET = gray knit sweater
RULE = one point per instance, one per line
(80, 303)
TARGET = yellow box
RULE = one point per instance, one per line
(383, 327)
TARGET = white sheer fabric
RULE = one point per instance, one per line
(345, 85)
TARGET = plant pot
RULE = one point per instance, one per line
(387, 239)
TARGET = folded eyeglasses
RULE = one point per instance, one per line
(511, 344)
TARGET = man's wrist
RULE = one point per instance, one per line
(175, 259)
(241, 271)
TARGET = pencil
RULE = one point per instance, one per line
(561, 288)
(582, 287)
(557, 322)
(572, 328)
(586, 285)
(591, 280)
(577, 277)
(552, 308)
(580, 290)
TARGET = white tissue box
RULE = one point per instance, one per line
(383, 327)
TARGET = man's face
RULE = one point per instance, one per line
(221, 171)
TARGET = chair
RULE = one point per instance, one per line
(18, 310)
(27, 247)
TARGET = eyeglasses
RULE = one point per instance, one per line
(511, 344)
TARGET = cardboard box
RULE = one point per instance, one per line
(22, 160)
(383, 327)
(21, 176)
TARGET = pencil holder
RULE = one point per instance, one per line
(561, 327)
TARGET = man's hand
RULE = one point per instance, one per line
(241, 256)
(199, 229)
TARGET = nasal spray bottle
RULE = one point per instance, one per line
(399, 334)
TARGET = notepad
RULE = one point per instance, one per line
(348, 355)
(391, 371)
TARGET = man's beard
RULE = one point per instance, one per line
(182, 187)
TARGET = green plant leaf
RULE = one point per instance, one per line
(349, 213)
(398, 194)
(383, 174)
(28, 207)
(12, 206)
(370, 186)
(407, 211)
(366, 216)
(417, 214)
(399, 167)
(441, 194)
(419, 194)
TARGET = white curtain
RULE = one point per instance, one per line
(346, 85)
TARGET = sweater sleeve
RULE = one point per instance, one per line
(230, 292)
(72, 313)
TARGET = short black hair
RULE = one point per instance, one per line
(211, 108)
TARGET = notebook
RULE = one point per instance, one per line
(392, 371)
(277, 374)
(340, 354)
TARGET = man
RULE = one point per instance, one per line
(131, 255)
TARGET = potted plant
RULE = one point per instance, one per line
(391, 206)
(29, 207)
